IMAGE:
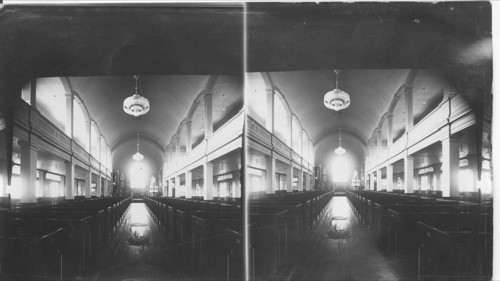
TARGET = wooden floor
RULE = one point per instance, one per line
(356, 257)
(139, 251)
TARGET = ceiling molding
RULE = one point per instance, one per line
(144, 139)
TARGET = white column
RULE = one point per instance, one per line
(70, 188)
(372, 181)
(301, 179)
(177, 186)
(209, 126)
(289, 178)
(379, 180)
(98, 185)
(308, 181)
(41, 180)
(450, 168)
(88, 182)
(408, 108)
(170, 187)
(208, 181)
(437, 177)
(106, 187)
(390, 177)
(189, 184)
(408, 181)
(270, 174)
(28, 172)
(270, 110)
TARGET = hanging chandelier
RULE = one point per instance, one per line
(138, 156)
(340, 150)
(136, 105)
(337, 99)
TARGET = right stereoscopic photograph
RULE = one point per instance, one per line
(368, 141)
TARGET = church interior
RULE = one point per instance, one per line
(246, 141)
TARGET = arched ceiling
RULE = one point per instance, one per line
(170, 98)
(370, 90)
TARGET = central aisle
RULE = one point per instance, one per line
(139, 250)
(324, 256)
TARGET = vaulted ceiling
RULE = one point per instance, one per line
(374, 45)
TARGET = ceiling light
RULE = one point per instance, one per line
(337, 99)
(136, 105)
(340, 150)
(223, 103)
(138, 156)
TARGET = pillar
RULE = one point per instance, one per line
(308, 181)
(209, 126)
(437, 177)
(289, 178)
(98, 186)
(390, 177)
(88, 183)
(379, 180)
(177, 186)
(270, 174)
(189, 184)
(270, 110)
(408, 171)
(408, 108)
(208, 180)
(41, 180)
(106, 187)
(69, 188)
(301, 179)
(372, 181)
(390, 126)
(450, 168)
(28, 172)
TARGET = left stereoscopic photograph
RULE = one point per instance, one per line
(121, 132)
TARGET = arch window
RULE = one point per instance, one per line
(103, 153)
(109, 159)
(80, 121)
(281, 115)
(256, 95)
(51, 100)
(198, 125)
(296, 136)
(305, 145)
(95, 139)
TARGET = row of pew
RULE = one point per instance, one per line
(207, 234)
(279, 223)
(436, 237)
(57, 241)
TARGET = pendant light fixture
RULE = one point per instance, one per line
(340, 150)
(337, 99)
(138, 156)
(136, 104)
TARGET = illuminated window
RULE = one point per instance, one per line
(138, 177)
(256, 95)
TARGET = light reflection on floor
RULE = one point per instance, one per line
(347, 253)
